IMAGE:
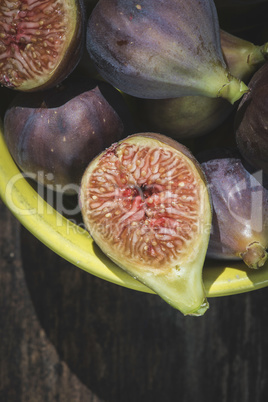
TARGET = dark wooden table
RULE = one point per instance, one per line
(68, 336)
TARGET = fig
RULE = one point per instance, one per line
(41, 42)
(192, 116)
(243, 57)
(182, 118)
(240, 208)
(145, 202)
(161, 49)
(53, 134)
(251, 121)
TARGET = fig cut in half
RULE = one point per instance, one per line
(41, 42)
(146, 204)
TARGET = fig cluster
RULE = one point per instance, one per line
(134, 107)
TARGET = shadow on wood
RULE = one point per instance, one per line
(125, 345)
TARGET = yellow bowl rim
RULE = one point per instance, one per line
(74, 244)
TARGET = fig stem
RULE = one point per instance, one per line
(255, 255)
(233, 90)
(201, 310)
(264, 51)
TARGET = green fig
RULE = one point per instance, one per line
(161, 49)
(192, 116)
(182, 118)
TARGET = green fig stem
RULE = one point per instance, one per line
(257, 56)
(264, 50)
(233, 90)
(243, 58)
(201, 310)
(255, 256)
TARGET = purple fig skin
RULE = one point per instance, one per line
(193, 116)
(251, 121)
(161, 49)
(240, 208)
(54, 134)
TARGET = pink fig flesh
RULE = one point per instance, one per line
(145, 203)
(41, 42)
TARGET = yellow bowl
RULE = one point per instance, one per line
(73, 243)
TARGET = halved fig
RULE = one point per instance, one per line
(53, 135)
(41, 42)
(145, 202)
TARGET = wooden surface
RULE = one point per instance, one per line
(68, 336)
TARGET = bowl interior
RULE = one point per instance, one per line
(68, 238)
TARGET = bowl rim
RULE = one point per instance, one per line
(74, 244)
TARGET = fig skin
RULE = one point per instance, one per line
(141, 169)
(182, 118)
(194, 116)
(251, 121)
(52, 135)
(40, 55)
(152, 50)
(240, 208)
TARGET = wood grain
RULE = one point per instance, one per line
(69, 336)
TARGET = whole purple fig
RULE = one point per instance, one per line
(54, 134)
(192, 116)
(251, 121)
(240, 208)
(161, 49)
